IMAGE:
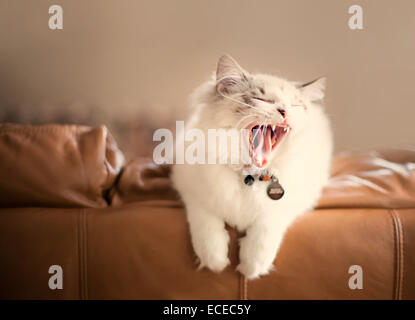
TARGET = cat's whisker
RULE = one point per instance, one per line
(265, 113)
(299, 105)
(243, 103)
(240, 123)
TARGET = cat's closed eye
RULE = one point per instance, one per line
(264, 100)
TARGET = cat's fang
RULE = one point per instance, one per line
(263, 140)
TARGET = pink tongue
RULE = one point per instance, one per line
(262, 151)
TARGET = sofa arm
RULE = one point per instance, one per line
(57, 165)
(143, 251)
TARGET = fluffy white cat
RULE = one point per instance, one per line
(289, 137)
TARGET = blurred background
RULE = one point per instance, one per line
(132, 64)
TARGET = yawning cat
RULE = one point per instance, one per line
(290, 145)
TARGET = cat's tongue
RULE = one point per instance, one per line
(262, 146)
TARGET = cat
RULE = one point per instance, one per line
(290, 138)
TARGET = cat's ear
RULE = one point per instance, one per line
(229, 75)
(313, 90)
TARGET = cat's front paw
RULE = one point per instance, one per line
(213, 252)
(254, 270)
(256, 260)
(215, 263)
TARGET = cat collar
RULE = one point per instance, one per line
(274, 190)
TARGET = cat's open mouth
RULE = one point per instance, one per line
(263, 139)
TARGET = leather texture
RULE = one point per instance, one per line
(139, 246)
(383, 179)
(57, 166)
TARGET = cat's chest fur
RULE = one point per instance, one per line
(239, 204)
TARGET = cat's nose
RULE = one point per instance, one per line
(282, 112)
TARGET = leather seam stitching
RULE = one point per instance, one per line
(80, 255)
(399, 254)
(243, 284)
(85, 244)
(245, 288)
(396, 256)
(403, 254)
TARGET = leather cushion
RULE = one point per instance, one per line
(56, 165)
(381, 179)
(377, 179)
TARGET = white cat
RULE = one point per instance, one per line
(290, 138)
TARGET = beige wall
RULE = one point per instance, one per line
(121, 60)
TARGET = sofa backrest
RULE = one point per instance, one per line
(57, 165)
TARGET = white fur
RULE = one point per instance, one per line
(216, 194)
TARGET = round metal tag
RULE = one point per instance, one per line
(275, 191)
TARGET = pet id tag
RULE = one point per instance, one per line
(275, 191)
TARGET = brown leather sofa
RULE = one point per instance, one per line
(119, 231)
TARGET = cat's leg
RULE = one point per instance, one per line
(210, 239)
(259, 247)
